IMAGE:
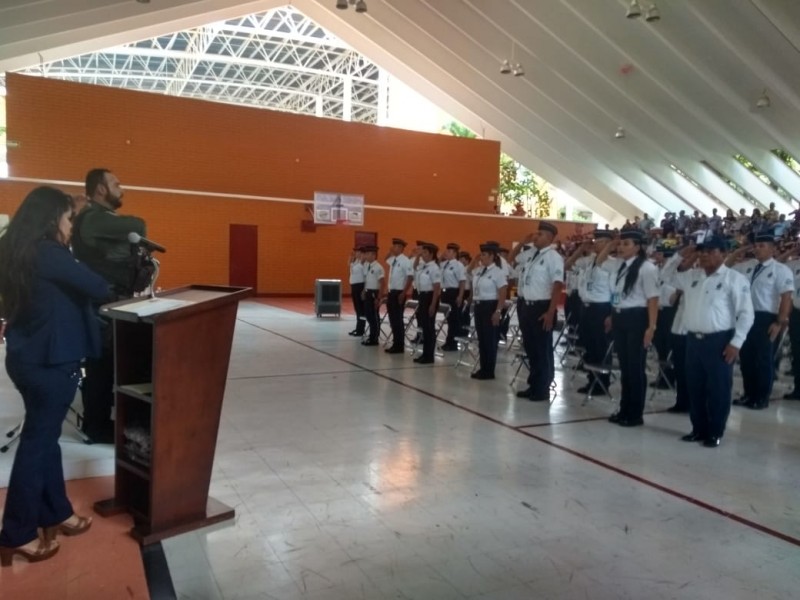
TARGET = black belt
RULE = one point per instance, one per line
(597, 303)
(622, 310)
(699, 335)
(485, 301)
(534, 302)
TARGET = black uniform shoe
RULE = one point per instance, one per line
(754, 405)
(539, 398)
(448, 347)
(793, 395)
(615, 418)
(741, 401)
(693, 437)
(100, 437)
(526, 393)
(477, 375)
(395, 350)
(482, 376)
(677, 409)
(630, 422)
(370, 343)
(596, 390)
(711, 442)
(422, 360)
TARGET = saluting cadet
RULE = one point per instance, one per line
(541, 280)
(594, 291)
(666, 260)
(634, 311)
(771, 286)
(374, 291)
(429, 286)
(454, 277)
(489, 289)
(357, 273)
(677, 337)
(794, 324)
(464, 314)
(400, 277)
(718, 314)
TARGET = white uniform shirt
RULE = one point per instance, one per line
(453, 273)
(594, 283)
(400, 267)
(716, 302)
(428, 274)
(766, 286)
(486, 281)
(665, 276)
(794, 267)
(645, 287)
(357, 271)
(539, 271)
(373, 275)
(506, 268)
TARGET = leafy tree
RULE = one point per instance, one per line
(520, 189)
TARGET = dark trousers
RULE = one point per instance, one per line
(449, 296)
(709, 380)
(371, 314)
(593, 332)
(427, 324)
(756, 359)
(464, 313)
(628, 327)
(36, 495)
(572, 309)
(663, 338)
(678, 343)
(358, 306)
(395, 310)
(97, 390)
(488, 335)
(794, 341)
(538, 345)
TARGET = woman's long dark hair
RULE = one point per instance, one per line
(633, 272)
(36, 219)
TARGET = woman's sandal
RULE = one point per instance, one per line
(79, 526)
(44, 550)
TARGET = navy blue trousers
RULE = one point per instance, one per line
(488, 335)
(678, 345)
(596, 340)
(538, 345)
(756, 359)
(37, 496)
(709, 382)
(628, 327)
(428, 324)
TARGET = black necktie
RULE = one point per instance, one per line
(484, 271)
(621, 272)
(756, 271)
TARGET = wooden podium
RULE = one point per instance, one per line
(170, 366)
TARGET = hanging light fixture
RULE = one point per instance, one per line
(763, 101)
(619, 134)
(634, 10)
(505, 68)
(361, 6)
(518, 70)
(652, 15)
(341, 4)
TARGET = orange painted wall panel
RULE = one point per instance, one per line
(164, 142)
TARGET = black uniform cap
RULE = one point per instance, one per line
(545, 226)
(400, 241)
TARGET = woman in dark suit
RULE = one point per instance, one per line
(46, 300)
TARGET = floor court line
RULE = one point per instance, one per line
(662, 488)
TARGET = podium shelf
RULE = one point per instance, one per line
(134, 468)
(140, 391)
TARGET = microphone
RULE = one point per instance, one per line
(149, 245)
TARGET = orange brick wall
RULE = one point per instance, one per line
(65, 128)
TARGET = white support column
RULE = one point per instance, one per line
(347, 100)
(383, 97)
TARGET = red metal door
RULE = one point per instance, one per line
(243, 256)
